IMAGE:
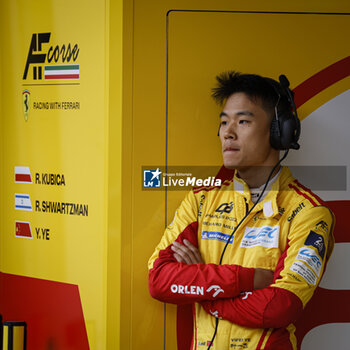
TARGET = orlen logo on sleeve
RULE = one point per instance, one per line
(264, 236)
(179, 289)
(195, 290)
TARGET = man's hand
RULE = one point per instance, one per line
(186, 253)
(262, 278)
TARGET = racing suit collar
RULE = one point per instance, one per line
(269, 204)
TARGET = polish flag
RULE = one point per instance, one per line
(22, 174)
(23, 229)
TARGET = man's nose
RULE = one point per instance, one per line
(230, 132)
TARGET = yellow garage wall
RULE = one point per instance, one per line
(58, 141)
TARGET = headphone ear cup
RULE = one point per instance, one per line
(275, 134)
(287, 132)
(282, 132)
(287, 128)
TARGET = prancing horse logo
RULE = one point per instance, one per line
(26, 100)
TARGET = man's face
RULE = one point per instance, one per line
(245, 133)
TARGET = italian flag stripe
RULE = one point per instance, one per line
(63, 76)
(62, 67)
(56, 72)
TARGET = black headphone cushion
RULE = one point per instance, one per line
(275, 134)
(282, 132)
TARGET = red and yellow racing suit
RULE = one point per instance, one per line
(289, 232)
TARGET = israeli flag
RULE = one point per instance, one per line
(22, 202)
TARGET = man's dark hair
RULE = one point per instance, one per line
(256, 87)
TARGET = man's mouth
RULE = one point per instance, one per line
(231, 149)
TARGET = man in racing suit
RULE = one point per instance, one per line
(275, 259)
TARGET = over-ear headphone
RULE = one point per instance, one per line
(285, 127)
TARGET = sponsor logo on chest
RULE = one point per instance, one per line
(264, 236)
(296, 211)
(216, 236)
(225, 208)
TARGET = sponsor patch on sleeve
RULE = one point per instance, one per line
(304, 271)
(311, 258)
(322, 226)
(315, 240)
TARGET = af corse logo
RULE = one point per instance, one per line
(61, 59)
(323, 226)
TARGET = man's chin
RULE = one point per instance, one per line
(230, 163)
(233, 166)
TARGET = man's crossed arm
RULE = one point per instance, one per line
(263, 307)
(187, 253)
(178, 274)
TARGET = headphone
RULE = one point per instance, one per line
(285, 127)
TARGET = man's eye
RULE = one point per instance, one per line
(223, 122)
(243, 121)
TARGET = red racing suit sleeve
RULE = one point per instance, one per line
(178, 283)
(298, 272)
